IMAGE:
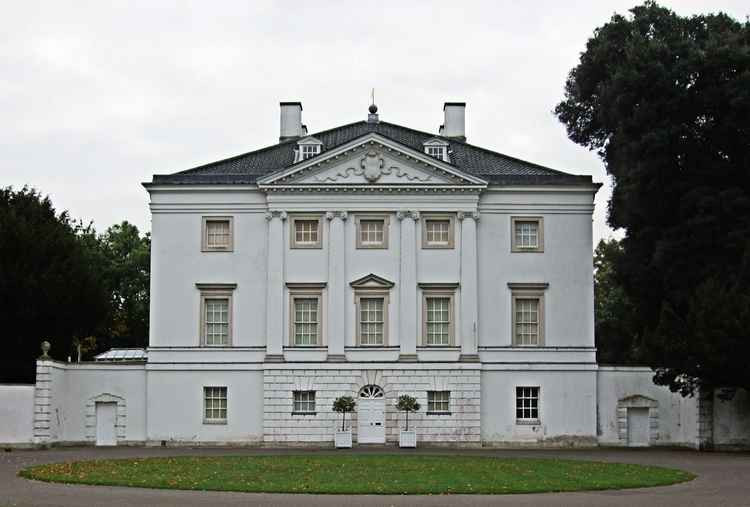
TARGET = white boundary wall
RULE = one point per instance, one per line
(16, 414)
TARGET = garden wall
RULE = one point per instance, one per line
(16, 414)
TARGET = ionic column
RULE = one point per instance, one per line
(275, 287)
(409, 311)
(336, 332)
(469, 286)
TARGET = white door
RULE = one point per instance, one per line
(106, 414)
(371, 416)
(638, 427)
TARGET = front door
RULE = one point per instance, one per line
(106, 414)
(371, 415)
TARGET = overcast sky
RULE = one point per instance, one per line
(95, 97)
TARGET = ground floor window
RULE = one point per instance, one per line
(438, 402)
(215, 404)
(527, 404)
(303, 402)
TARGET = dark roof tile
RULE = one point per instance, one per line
(489, 165)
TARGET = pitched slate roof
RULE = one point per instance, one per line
(489, 165)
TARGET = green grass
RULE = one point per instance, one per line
(347, 474)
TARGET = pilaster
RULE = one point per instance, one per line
(409, 310)
(469, 286)
(336, 325)
(275, 287)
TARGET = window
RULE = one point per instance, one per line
(437, 231)
(527, 234)
(436, 151)
(371, 296)
(305, 314)
(527, 404)
(528, 314)
(437, 314)
(306, 232)
(372, 231)
(217, 234)
(309, 150)
(303, 402)
(438, 402)
(306, 321)
(215, 405)
(371, 321)
(216, 314)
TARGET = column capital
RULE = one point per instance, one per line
(276, 213)
(413, 214)
(330, 215)
(468, 214)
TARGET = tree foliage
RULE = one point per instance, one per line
(49, 285)
(617, 338)
(61, 281)
(342, 405)
(407, 404)
(665, 101)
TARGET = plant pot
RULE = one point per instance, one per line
(343, 439)
(407, 438)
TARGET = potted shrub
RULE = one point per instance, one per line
(407, 437)
(342, 405)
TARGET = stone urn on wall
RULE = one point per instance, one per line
(407, 437)
(343, 437)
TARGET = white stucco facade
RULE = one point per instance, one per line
(493, 336)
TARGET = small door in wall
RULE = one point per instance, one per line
(106, 417)
(638, 428)
(371, 417)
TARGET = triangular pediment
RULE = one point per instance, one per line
(372, 281)
(371, 161)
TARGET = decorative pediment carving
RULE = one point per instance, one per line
(372, 165)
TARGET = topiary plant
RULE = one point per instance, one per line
(342, 405)
(407, 404)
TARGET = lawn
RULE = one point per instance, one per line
(347, 474)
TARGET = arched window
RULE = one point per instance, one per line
(371, 392)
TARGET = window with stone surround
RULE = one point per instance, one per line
(527, 405)
(217, 234)
(306, 231)
(372, 231)
(371, 320)
(527, 319)
(527, 234)
(437, 231)
(303, 402)
(216, 314)
(305, 314)
(438, 402)
(438, 316)
(215, 405)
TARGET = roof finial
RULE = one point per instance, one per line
(373, 116)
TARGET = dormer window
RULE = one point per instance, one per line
(436, 151)
(437, 148)
(310, 150)
(307, 147)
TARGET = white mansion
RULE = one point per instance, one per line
(369, 260)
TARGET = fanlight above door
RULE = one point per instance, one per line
(371, 392)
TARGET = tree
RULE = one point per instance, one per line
(342, 405)
(48, 289)
(665, 101)
(407, 404)
(615, 324)
(127, 266)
